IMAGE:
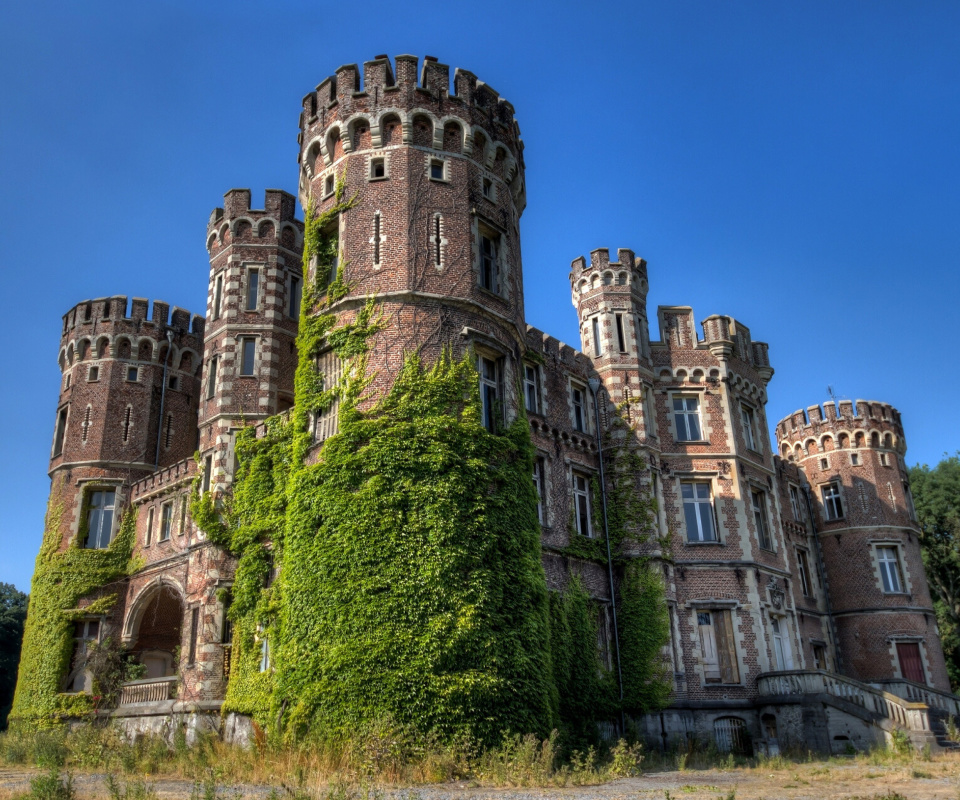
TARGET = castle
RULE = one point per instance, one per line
(798, 607)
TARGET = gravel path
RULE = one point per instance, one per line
(802, 782)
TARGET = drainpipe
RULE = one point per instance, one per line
(163, 396)
(821, 569)
(594, 388)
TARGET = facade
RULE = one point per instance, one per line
(799, 609)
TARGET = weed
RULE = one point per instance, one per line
(129, 790)
(919, 773)
(52, 787)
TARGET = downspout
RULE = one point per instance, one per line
(821, 569)
(594, 388)
(163, 397)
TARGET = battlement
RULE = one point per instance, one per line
(725, 337)
(847, 415)
(379, 81)
(104, 313)
(167, 478)
(278, 205)
(602, 273)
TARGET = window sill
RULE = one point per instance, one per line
(485, 290)
(714, 685)
(692, 441)
(373, 179)
(908, 595)
(698, 543)
(439, 180)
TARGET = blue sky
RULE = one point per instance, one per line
(794, 165)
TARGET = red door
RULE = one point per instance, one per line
(911, 667)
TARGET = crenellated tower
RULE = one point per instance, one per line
(127, 406)
(436, 175)
(853, 457)
(253, 305)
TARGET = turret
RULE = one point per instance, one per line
(128, 400)
(437, 175)
(253, 308)
(852, 455)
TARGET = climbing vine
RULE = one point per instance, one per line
(61, 579)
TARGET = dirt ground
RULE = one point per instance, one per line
(916, 780)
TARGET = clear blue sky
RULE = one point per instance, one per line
(792, 164)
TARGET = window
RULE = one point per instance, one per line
(854, 460)
(100, 518)
(93, 373)
(531, 389)
(759, 502)
(621, 339)
(803, 572)
(127, 420)
(60, 431)
(698, 512)
(85, 633)
(296, 296)
(718, 648)
(579, 396)
(597, 350)
(166, 517)
(795, 505)
(132, 374)
(890, 573)
(207, 473)
(491, 406)
(489, 262)
(437, 169)
(67, 381)
(172, 382)
(884, 461)
(85, 429)
(248, 346)
(183, 517)
(783, 658)
(264, 654)
(604, 628)
(832, 507)
(212, 378)
(149, 535)
(378, 168)
(538, 483)
(488, 189)
(217, 296)
(824, 463)
(194, 633)
(226, 630)
(436, 239)
(329, 184)
(581, 504)
(911, 662)
(819, 656)
(168, 436)
(686, 417)
(746, 415)
(253, 289)
(908, 496)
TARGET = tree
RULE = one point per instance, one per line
(936, 494)
(13, 614)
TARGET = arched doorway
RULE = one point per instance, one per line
(156, 630)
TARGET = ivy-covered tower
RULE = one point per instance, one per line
(253, 308)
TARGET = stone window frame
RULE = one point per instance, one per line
(248, 268)
(165, 532)
(484, 228)
(93, 373)
(765, 516)
(906, 586)
(541, 482)
(687, 393)
(576, 469)
(376, 240)
(488, 182)
(241, 341)
(213, 366)
(381, 157)
(786, 630)
(294, 287)
(796, 503)
(148, 533)
(537, 385)
(840, 501)
(82, 506)
(438, 243)
(80, 643)
(432, 160)
(131, 369)
(649, 410)
(329, 184)
(750, 436)
(804, 572)
(216, 302)
(712, 480)
(573, 382)
(906, 638)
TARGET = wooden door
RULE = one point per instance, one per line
(911, 665)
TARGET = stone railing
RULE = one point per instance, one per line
(150, 690)
(885, 706)
(918, 693)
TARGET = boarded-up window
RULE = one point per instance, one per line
(325, 422)
(719, 650)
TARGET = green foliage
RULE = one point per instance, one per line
(644, 629)
(52, 786)
(936, 495)
(61, 579)
(13, 613)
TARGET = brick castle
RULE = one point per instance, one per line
(799, 609)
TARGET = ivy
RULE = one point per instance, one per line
(61, 579)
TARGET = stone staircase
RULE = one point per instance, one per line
(890, 705)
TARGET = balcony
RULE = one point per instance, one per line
(150, 690)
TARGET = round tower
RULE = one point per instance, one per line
(253, 308)
(853, 457)
(436, 177)
(128, 405)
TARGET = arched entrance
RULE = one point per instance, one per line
(154, 630)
